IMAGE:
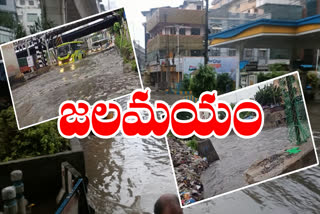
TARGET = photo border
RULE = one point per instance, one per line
(54, 28)
(261, 182)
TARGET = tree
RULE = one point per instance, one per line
(224, 83)
(41, 25)
(20, 31)
(268, 95)
(38, 140)
(263, 77)
(186, 82)
(9, 21)
(204, 80)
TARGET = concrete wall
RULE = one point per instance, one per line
(175, 16)
(42, 175)
(10, 59)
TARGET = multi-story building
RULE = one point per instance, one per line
(173, 33)
(140, 53)
(225, 14)
(221, 20)
(7, 8)
(28, 12)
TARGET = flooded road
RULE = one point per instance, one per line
(293, 194)
(237, 155)
(96, 77)
(128, 175)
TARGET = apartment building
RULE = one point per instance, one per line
(7, 8)
(172, 33)
(28, 11)
(225, 14)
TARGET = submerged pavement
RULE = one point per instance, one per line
(97, 77)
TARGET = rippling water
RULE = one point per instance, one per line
(128, 175)
(297, 193)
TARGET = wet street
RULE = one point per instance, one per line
(97, 77)
(237, 155)
(128, 175)
(293, 194)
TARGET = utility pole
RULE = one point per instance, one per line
(206, 35)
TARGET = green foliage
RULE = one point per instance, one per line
(278, 67)
(41, 25)
(312, 79)
(186, 82)
(263, 77)
(7, 20)
(245, 114)
(39, 140)
(204, 80)
(224, 83)
(134, 65)
(116, 28)
(125, 47)
(268, 95)
(20, 31)
(193, 144)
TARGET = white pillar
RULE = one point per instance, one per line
(240, 56)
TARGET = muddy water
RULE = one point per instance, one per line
(128, 175)
(237, 155)
(97, 77)
(297, 193)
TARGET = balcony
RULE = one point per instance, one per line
(260, 3)
(176, 16)
(191, 42)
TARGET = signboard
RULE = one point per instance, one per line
(30, 61)
(220, 64)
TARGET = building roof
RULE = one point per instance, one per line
(239, 29)
(266, 29)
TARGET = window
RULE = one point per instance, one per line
(215, 52)
(195, 52)
(32, 17)
(172, 30)
(195, 31)
(75, 46)
(3, 2)
(232, 52)
(248, 52)
(262, 54)
(198, 7)
(182, 31)
(31, 2)
(22, 2)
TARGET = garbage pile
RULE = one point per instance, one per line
(188, 167)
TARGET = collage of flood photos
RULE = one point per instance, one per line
(100, 57)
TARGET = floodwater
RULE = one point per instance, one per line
(128, 175)
(237, 155)
(293, 194)
(100, 76)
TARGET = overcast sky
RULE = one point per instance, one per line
(133, 10)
